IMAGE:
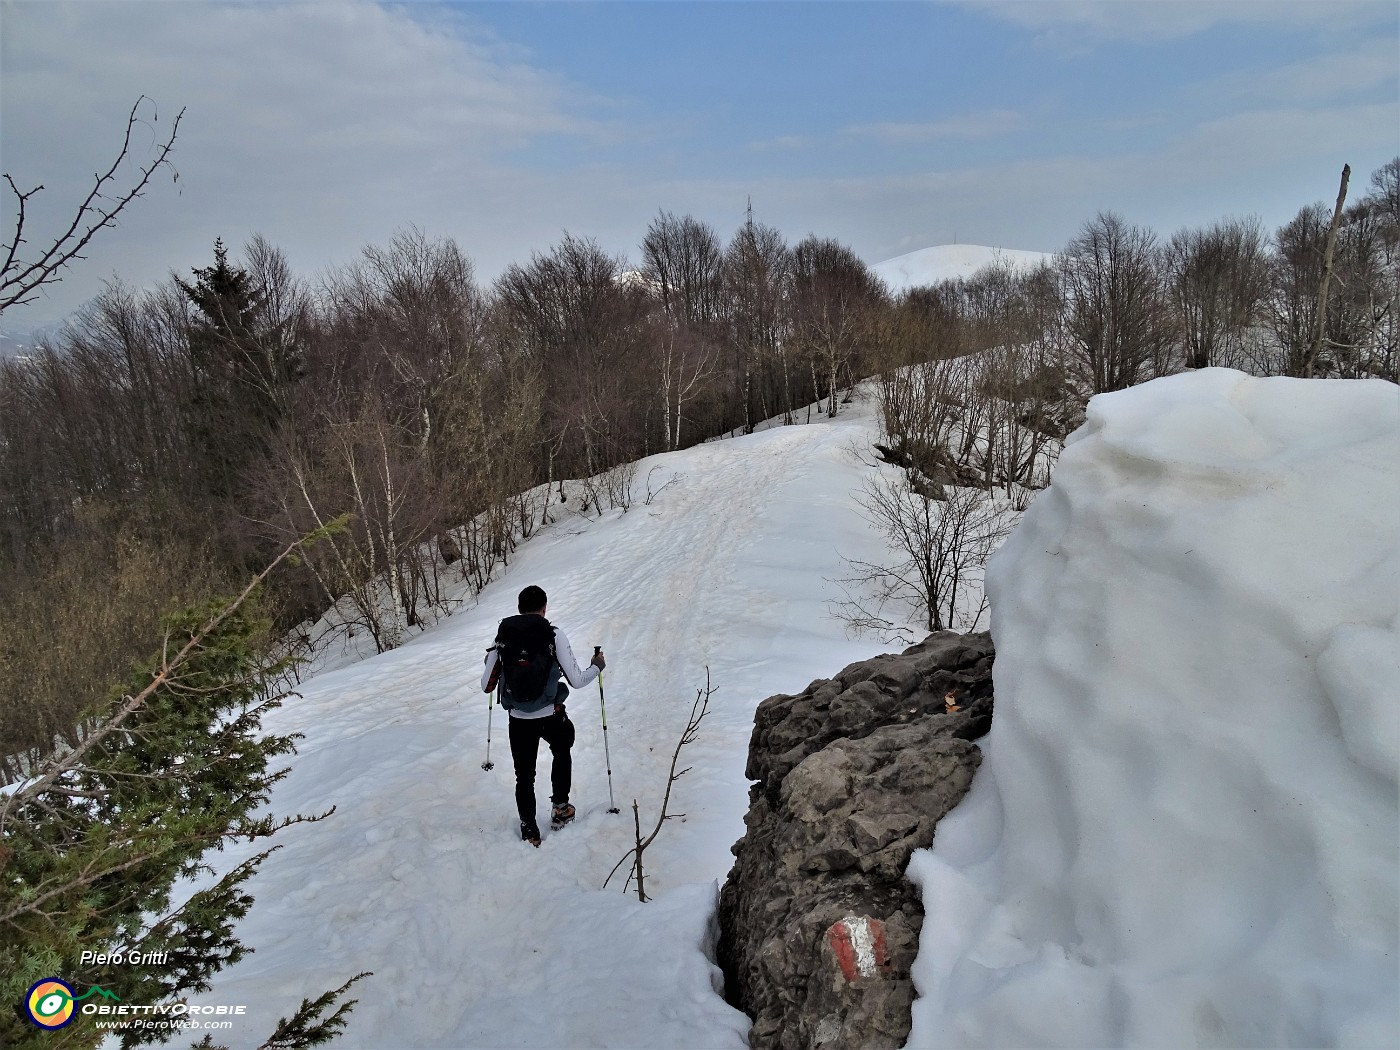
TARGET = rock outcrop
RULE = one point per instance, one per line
(818, 925)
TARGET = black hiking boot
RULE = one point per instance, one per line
(561, 815)
(530, 833)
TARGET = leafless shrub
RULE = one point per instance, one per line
(616, 485)
(698, 710)
(938, 550)
(651, 495)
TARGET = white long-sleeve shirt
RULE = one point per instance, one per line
(577, 676)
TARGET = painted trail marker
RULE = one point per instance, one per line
(858, 942)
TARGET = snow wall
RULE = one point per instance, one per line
(1185, 829)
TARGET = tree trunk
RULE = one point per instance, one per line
(1310, 362)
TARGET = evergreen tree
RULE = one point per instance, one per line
(244, 367)
(92, 847)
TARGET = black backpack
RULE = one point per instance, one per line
(529, 669)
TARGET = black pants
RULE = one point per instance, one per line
(525, 735)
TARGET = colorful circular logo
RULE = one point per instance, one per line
(50, 1003)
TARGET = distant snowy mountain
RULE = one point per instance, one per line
(14, 344)
(947, 262)
(22, 339)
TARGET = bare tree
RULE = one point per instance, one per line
(362, 468)
(757, 269)
(286, 312)
(98, 413)
(1119, 315)
(1219, 280)
(1360, 333)
(939, 548)
(1297, 275)
(929, 325)
(21, 277)
(1358, 320)
(1383, 204)
(1329, 246)
(574, 314)
(687, 361)
(834, 298)
(683, 265)
(1022, 391)
(683, 259)
(1385, 197)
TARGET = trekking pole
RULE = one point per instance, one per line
(603, 710)
(488, 765)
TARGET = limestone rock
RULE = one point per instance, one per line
(818, 925)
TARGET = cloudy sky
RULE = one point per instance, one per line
(326, 126)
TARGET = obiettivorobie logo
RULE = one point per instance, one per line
(52, 1004)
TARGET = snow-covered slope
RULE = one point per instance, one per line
(947, 262)
(1185, 829)
(1184, 832)
(475, 938)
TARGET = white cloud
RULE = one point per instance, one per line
(329, 126)
(1371, 65)
(1149, 20)
(1269, 163)
(987, 125)
(783, 142)
(1358, 135)
(324, 125)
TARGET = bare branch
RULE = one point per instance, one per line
(20, 281)
(698, 710)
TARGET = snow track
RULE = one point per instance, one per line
(475, 938)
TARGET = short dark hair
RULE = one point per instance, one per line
(533, 599)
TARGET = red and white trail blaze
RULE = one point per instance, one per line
(858, 942)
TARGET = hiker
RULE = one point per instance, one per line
(535, 653)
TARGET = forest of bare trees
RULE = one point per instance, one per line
(204, 425)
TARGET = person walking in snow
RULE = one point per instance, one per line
(526, 660)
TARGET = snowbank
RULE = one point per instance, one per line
(1185, 829)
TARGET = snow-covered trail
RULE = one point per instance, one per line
(477, 939)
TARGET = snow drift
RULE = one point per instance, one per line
(1185, 829)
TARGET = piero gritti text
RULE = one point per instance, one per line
(124, 959)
